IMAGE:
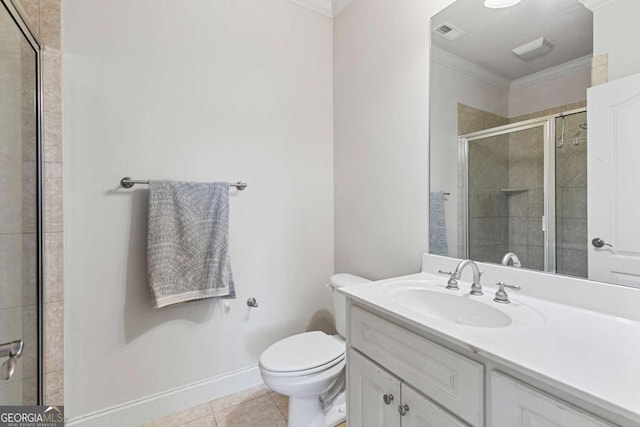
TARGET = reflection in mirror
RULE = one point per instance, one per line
(509, 133)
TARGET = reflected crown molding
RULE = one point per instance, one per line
(477, 72)
(595, 4)
(550, 73)
(330, 8)
(468, 68)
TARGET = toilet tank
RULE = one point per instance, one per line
(340, 301)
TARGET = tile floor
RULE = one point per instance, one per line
(256, 407)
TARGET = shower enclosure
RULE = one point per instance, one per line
(20, 219)
(523, 190)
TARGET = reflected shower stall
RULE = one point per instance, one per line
(523, 189)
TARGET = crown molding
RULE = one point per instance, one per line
(339, 5)
(330, 8)
(553, 72)
(468, 68)
(595, 4)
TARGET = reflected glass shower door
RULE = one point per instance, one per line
(19, 221)
(506, 183)
(571, 194)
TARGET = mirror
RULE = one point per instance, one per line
(509, 134)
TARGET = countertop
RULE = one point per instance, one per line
(591, 355)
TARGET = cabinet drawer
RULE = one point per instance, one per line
(514, 404)
(447, 378)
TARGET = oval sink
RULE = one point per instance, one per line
(455, 308)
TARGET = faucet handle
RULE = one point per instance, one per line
(452, 283)
(501, 296)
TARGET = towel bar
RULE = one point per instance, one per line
(128, 182)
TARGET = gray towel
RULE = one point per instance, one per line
(437, 225)
(188, 242)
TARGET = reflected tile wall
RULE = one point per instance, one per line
(512, 222)
(526, 205)
(571, 195)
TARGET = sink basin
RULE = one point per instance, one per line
(453, 307)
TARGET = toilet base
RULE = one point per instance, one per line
(337, 412)
(308, 412)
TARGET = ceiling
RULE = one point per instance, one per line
(491, 34)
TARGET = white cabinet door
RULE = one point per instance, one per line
(613, 174)
(367, 386)
(513, 404)
(424, 413)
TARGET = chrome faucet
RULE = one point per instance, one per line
(511, 256)
(476, 287)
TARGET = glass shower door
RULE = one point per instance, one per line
(571, 194)
(506, 182)
(19, 206)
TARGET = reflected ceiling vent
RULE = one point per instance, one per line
(449, 31)
(534, 49)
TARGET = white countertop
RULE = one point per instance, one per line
(591, 355)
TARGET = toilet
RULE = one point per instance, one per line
(310, 368)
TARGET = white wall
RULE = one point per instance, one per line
(381, 54)
(200, 90)
(616, 32)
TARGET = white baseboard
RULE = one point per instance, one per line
(156, 406)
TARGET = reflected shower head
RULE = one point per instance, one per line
(583, 126)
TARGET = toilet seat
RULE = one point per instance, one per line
(303, 354)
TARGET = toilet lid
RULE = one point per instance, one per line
(302, 352)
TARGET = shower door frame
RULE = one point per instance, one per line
(17, 14)
(548, 125)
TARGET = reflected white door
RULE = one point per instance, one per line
(613, 176)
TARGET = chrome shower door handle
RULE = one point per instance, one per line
(12, 350)
(599, 243)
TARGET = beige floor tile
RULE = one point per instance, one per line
(238, 398)
(344, 424)
(209, 421)
(261, 411)
(282, 402)
(183, 417)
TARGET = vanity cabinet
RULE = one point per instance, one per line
(514, 403)
(379, 399)
(390, 367)
(447, 379)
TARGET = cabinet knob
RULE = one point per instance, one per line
(387, 398)
(403, 409)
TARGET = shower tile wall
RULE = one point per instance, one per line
(44, 18)
(488, 173)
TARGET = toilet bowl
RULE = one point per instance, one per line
(310, 368)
